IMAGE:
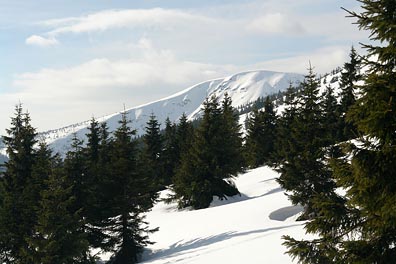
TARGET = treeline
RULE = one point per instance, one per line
(55, 210)
(344, 173)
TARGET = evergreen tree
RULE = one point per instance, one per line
(19, 191)
(206, 169)
(253, 141)
(184, 136)
(131, 198)
(97, 209)
(170, 153)
(261, 133)
(231, 158)
(303, 172)
(349, 76)
(283, 141)
(59, 233)
(75, 169)
(331, 114)
(152, 151)
(360, 228)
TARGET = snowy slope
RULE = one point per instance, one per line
(245, 229)
(242, 88)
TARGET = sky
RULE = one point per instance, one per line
(69, 60)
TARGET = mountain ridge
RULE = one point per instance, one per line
(243, 88)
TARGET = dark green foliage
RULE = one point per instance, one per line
(97, 178)
(152, 153)
(59, 233)
(20, 194)
(360, 227)
(303, 172)
(284, 142)
(349, 76)
(213, 159)
(75, 170)
(170, 153)
(332, 131)
(261, 135)
(131, 198)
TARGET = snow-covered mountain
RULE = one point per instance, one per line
(243, 88)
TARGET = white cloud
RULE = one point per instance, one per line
(101, 85)
(275, 23)
(41, 41)
(108, 19)
(323, 60)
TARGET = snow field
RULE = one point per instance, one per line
(244, 229)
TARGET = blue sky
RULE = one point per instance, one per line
(69, 60)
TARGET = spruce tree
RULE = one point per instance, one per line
(231, 159)
(75, 169)
(152, 152)
(330, 118)
(253, 141)
(170, 153)
(184, 135)
(349, 76)
(59, 232)
(205, 171)
(283, 141)
(96, 207)
(261, 133)
(360, 228)
(132, 197)
(303, 172)
(19, 191)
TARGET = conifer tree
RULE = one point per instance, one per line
(303, 172)
(184, 135)
(19, 191)
(349, 76)
(170, 153)
(75, 169)
(97, 209)
(284, 142)
(261, 133)
(152, 151)
(331, 114)
(360, 228)
(204, 171)
(59, 233)
(131, 198)
(253, 141)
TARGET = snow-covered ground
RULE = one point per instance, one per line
(245, 229)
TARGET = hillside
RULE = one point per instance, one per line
(243, 88)
(245, 229)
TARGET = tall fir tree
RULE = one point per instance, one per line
(261, 135)
(303, 172)
(152, 152)
(360, 228)
(205, 171)
(170, 153)
(19, 191)
(349, 76)
(184, 135)
(97, 210)
(283, 141)
(59, 235)
(75, 169)
(131, 198)
(330, 117)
